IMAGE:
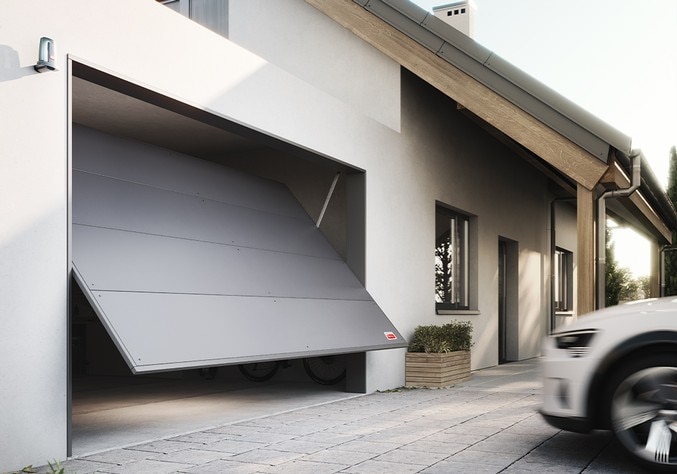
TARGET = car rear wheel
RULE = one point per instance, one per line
(643, 410)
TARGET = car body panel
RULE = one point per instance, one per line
(573, 381)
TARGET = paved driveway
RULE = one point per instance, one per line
(489, 424)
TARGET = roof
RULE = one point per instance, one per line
(532, 96)
(519, 88)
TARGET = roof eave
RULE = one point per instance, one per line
(550, 107)
(652, 190)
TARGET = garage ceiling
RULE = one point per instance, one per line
(121, 115)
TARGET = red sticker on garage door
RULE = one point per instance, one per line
(391, 336)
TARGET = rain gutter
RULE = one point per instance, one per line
(508, 81)
(635, 158)
(652, 190)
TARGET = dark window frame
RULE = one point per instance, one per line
(563, 285)
(452, 259)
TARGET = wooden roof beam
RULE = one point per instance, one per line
(564, 155)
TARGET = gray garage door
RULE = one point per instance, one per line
(189, 264)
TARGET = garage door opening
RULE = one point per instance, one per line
(191, 257)
(112, 407)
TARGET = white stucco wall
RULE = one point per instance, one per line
(414, 152)
(311, 46)
(445, 157)
(32, 252)
(180, 58)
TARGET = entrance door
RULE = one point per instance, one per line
(502, 297)
(508, 319)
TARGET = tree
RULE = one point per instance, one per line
(671, 253)
(620, 285)
(645, 286)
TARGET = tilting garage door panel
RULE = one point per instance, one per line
(127, 261)
(190, 264)
(105, 202)
(189, 331)
(137, 162)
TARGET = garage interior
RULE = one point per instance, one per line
(111, 406)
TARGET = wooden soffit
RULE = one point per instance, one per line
(560, 152)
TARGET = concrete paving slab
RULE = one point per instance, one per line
(299, 446)
(371, 447)
(266, 456)
(222, 466)
(450, 466)
(190, 456)
(328, 438)
(488, 424)
(306, 467)
(127, 415)
(338, 456)
(409, 456)
(118, 456)
(373, 466)
(233, 447)
(164, 446)
(148, 466)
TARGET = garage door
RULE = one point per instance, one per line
(190, 264)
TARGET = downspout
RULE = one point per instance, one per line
(635, 157)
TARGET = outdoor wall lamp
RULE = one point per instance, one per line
(46, 55)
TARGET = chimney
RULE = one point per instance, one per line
(460, 15)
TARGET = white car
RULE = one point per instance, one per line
(617, 369)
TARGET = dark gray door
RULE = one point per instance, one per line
(502, 299)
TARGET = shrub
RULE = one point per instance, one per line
(450, 337)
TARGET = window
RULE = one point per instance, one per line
(563, 272)
(212, 14)
(451, 259)
(173, 4)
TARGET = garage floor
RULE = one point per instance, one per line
(113, 412)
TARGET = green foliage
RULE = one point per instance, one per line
(620, 284)
(56, 468)
(671, 269)
(671, 253)
(672, 176)
(644, 286)
(454, 336)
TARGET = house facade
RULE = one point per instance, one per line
(308, 177)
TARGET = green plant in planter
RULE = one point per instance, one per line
(450, 337)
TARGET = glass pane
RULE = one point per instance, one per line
(562, 294)
(443, 263)
(462, 254)
(451, 259)
(212, 14)
(174, 5)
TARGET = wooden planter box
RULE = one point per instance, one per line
(436, 370)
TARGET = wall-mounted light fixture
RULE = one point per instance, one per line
(46, 55)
